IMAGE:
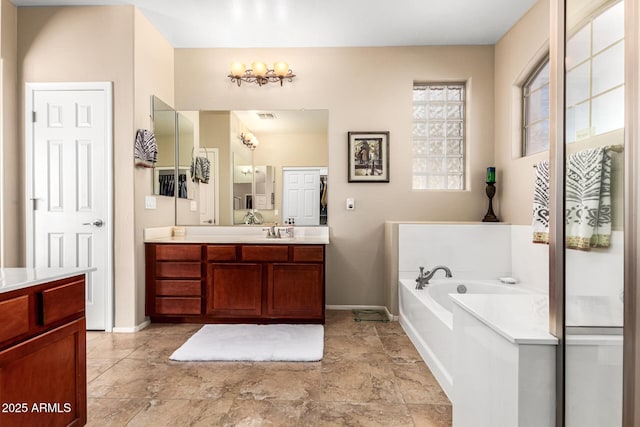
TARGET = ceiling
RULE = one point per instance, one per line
(321, 23)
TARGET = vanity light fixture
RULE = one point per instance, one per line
(246, 170)
(260, 74)
(249, 140)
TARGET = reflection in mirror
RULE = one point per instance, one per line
(287, 139)
(242, 180)
(594, 214)
(164, 128)
(186, 155)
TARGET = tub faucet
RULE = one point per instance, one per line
(423, 278)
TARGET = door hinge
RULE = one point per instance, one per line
(33, 116)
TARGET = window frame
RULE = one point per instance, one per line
(426, 85)
(535, 72)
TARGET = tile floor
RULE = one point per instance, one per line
(371, 375)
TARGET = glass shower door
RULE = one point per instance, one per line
(594, 213)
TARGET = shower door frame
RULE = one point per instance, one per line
(631, 345)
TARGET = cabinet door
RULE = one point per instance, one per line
(43, 380)
(295, 290)
(234, 289)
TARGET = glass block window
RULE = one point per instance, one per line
(535, 117)
(594, 99)
(438, 136)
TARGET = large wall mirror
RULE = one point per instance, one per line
(284, 177)
(164, 127)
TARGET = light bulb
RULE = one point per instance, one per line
(259, 69)
(281, 69)
(237, 69)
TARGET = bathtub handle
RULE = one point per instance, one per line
(421, 280)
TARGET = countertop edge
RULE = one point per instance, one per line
(533, 338)
(12, 279)
(241, 240)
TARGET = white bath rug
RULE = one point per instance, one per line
(286, 343)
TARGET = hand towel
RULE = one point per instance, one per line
(541, 203)
(146, 148)
(588, 199)
(200, 170)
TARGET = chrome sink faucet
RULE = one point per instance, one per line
(423, 278)
(272, 232)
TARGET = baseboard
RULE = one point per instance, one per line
(131, 329)
(363, 307)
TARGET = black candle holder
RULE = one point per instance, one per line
(491, 191)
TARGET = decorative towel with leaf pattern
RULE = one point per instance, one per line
(541, 203)
(200, 170)
(588, 199)
(146, 148)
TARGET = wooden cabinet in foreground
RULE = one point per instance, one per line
(43, 355)
(235, 283)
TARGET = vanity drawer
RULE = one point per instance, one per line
(62, 301)
(14, 317)
(177, 305)
(308, 253)
(178, 269)
(178, 288)
(178, 252)
(273, 253)
(221, 253)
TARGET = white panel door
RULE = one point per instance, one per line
(208, 192)
(70, 189)
(301, 195)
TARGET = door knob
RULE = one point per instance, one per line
(97, 223)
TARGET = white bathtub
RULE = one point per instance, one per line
(426, 316)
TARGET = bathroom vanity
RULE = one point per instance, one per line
(235, 278)
(42, 347)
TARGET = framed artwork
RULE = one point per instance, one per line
(368, 156)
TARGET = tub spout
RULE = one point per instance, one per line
(423, 278)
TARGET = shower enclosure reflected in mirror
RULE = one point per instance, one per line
(248, 180)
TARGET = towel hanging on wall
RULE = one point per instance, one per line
(541, 203)
(200, 170)
(146, 148)
(588, 199)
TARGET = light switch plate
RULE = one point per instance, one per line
(193, 205)
(351, 204)
(149, 202)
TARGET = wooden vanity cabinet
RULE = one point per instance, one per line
(43, 355)
(174, 280)
(241, 283)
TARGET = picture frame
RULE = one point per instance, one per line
(368, 154)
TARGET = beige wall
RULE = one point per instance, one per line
(364, 89)
(153, 75)
(92, 44)
(516, 53)
(12, 249)
(116, 44)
